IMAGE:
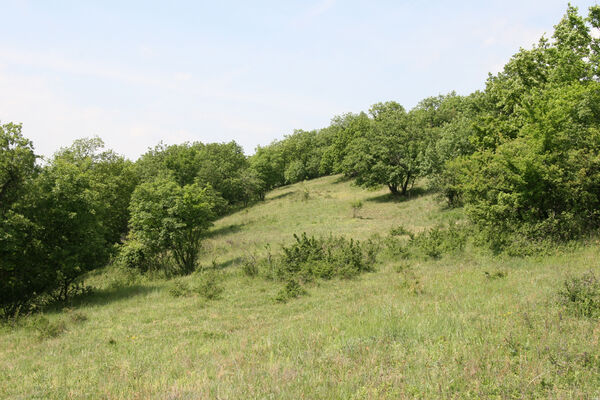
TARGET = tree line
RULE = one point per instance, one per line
(522, 156)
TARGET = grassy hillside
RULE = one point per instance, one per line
(464, 326)
(320, 207)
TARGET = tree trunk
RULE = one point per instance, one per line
(405, 185)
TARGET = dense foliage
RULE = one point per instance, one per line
(169, 217)
(21, 276)
(534, 169)
(58, 220)
(222, 165)
(310, 257)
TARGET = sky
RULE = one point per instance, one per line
(136, 73)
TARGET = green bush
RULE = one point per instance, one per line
(133, 255)
(401, 231)
(209, 285)
(432, 243)
(180, 288)
(250, 266)
(291, 290)
(581, 295)
(311, 257)
(47, 329)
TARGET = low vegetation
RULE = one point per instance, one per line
(467, 268)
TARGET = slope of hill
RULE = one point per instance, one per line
(468, 325)
(320, 207)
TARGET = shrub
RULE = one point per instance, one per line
(581, 295)
(401, 231)
(291, 290)
(179, 288)
(326, 258)
(305, 250)
(250, 266)
(46, 329)
(432, 243)
(209, 285)
(133, 255)
(438, 241)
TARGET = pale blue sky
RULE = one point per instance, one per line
(138, 72)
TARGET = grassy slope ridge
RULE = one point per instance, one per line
(464, 335)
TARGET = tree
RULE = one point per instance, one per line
(113, 179)
(445, 123)
(21, 273)
(221, 165)
(302, 153)
(69, 211)
(166, 217)
(545, 182)
(389, 153)
(57, 222)
(298, 157)
(268, 163)
(252, 186)
(536, 168)
(17, 164)
(343, 130)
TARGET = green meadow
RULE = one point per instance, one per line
(466, 325)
